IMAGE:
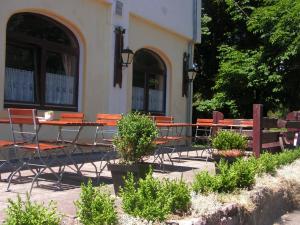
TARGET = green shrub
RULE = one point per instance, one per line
(228, 140)
(146, 201)
(241, 174)
(245, 172)
(226, 179)
(30, 213)
(179, 195)
(95, 206)
(203, 182)
(266, 163)
(136, 134)
(153, 199)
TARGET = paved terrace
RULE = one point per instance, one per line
(186, 168)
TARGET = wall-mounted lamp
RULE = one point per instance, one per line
(189, 74)
(123, 57)
(127, 57)
(192, 72)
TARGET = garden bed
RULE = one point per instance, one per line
(271, 197)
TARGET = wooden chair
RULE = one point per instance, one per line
(168, 141)
(34, 155)
(163, 119)
(102, 146)
(69, 134)
(203, 134)
(104, 134)
(203, 129)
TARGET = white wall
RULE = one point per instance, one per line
(175, 15)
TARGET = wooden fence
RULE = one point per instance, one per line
(268, 134)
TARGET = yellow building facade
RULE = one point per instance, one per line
(61, 55)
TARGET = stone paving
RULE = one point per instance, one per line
(185, 168)
(292, 218)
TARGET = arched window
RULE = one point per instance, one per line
(149, 82)
(41, 68)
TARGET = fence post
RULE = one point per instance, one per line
(257, 129)
(216, 117)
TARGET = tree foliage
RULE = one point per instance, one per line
(256, 58)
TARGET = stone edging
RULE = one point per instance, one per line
(269, 203)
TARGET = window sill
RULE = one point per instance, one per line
(39, 107)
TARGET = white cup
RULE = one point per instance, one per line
(49, 115)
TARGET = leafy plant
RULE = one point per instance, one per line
(153, 199)
(241, 174)
(226, 179)
(228, 140)
(95, 206)
(203, 182)
(136, 134)
(178, 193)
(30, 213)
(245, 172)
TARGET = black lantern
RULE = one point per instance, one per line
(192, 72)
(127, 57)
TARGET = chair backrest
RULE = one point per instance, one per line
(246, 122)
(24, 124)
(204, 121)
(226, 121)
(74, 117)
(108, 119)
(203, 129)
(69, 134)
(104, 134)
(163, 119)
(22, 116)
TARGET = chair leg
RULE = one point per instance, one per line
(39, 172)
(12, 175)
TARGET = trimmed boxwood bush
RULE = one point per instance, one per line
(136, 134)
(153, 199)
(31, 213)
(229, 140)
(95, 206)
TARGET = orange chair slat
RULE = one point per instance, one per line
(42, 146)
(226, 121)
(163, 119)
(4, 143)
(209, 121)
(109, 116)
(72, 117)
(21, 112)
(160, 142)
(19, 120)
(108, 119)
